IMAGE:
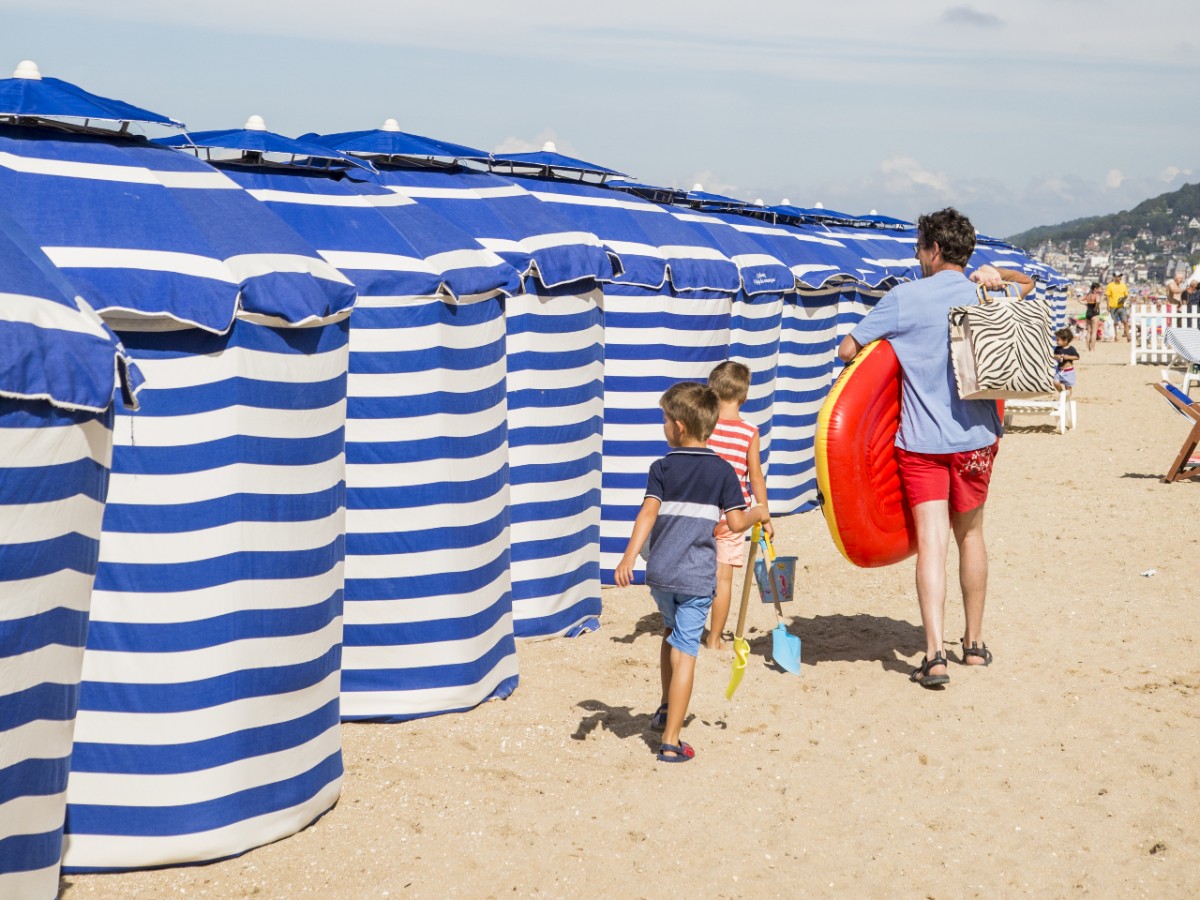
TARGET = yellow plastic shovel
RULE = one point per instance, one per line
(741, 647)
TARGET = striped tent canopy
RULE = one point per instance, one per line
(389, 142)
(253, 141)
(60, 367)
(549, 163)
(222, 544)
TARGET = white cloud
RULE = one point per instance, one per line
(1113, 179)
(904, 175)
(968, 15)
(1170, 173)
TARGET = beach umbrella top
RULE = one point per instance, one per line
(703, 199)
(392, 142)
(29, 93)
(254, 138)
(549, 163)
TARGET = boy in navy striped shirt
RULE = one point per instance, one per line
(686, 493)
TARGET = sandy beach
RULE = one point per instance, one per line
(1067, 768)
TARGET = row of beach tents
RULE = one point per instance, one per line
(295, 431)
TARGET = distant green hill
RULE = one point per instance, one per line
(1150, 214)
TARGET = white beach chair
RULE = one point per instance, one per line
(1186, 344)
(1059, 409)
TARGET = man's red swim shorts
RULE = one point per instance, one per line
(962, 478)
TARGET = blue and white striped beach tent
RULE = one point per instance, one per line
(428, 605)
(60, 368)
(209, 706)
(553, 348)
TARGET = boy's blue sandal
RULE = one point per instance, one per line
(659, 719)
(682, 753)
(921, 673)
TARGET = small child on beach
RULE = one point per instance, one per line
(686, 492)
(736, 441)
(1065, 357)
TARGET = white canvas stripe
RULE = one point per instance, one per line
(451, 193)
(45, 521)
(66, 589)
(465, 258)
(424, 609)
(541, 379)
(171, 607)
(183, 666)
(433, 700)
(262, 365)
(560, 344)
(38, 814)
(421, 656)
(33, 448)
(539, 607)
(425, 337)
(231, 421)
(745, 260)
(153, 490)
(548, 529)
(51, 664)
(658, 305)
(547, 305)
(439, 425)
(30, 883)
(398, 522)
(43, 313)
(31, 165)
(668, 337)
(199, 786)
(679, 251)
(129, 547)
(634, 248)
(365, 476)
(127, 851)
(429, 562)
(209, 181)
(362, 260)
(706, 511)
(527, 570)
(615, 202)
(451, 381)
(146, 260)
(166, 729)
(303, 198)
(253, 265)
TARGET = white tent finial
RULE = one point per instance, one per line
(873, 212)
(27, 68)
(697, 186)
(255, 123)
(818, 205)
(549, 147)
(760, 202)
(390, 125)
(785, 202)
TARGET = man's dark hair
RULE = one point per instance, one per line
(950, 230)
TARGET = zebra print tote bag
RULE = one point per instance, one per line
(1001, 349)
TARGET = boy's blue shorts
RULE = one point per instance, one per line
(685, 616)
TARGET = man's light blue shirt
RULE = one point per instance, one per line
(913, 316)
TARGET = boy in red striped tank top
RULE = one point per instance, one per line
(736, 441)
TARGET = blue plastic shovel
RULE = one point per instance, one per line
(776, 579)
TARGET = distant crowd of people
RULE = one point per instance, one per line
(1114, 298)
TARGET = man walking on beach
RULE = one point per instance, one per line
(1116, 291)
(946, 445)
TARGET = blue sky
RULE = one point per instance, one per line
(1021, 113)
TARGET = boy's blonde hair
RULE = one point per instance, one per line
(730, 380)
(693, 404)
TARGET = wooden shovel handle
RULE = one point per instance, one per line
(749, 577)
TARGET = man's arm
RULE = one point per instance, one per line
(993, 278)
(848, 349)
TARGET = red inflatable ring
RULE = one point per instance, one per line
(858, 474)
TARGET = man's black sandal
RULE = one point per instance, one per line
(976, 651)
(921, 675)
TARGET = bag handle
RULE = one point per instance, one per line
(985, 296)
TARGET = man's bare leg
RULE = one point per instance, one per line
(932, 520)
(972, 575)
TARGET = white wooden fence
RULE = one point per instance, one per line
(1148, 324)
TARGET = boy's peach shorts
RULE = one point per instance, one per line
(731, 545)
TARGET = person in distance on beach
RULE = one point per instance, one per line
(1116, 292)
(1091, 306)
(946, 445)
